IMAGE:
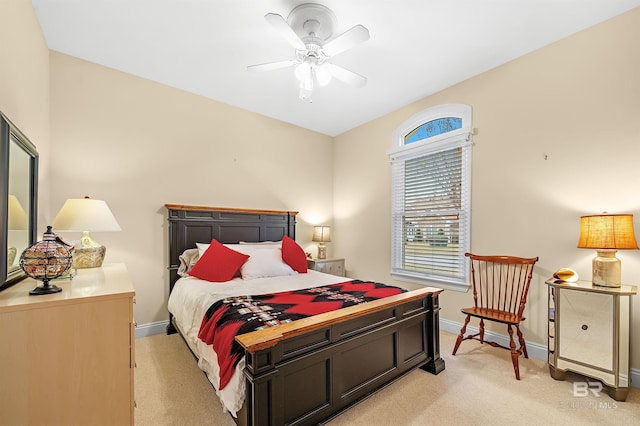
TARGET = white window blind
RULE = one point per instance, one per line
(431, 206)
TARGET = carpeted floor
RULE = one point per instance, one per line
(476, 388)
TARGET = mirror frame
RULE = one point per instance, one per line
(8, 133)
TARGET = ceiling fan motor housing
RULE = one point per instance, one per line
(310, 20)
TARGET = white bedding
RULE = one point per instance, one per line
(190, 299)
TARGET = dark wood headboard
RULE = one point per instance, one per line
(189, 225)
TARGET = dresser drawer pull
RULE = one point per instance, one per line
(584, 326)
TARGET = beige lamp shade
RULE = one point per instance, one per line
(321, 234)
(607, 231)
(85, 214)
(17, 220)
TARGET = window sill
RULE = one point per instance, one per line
(431, 282)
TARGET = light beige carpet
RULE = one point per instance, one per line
(476, 388)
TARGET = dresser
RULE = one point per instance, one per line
(68, 358)
(589, 329)
(328, 266)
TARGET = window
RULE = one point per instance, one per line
(431, 197)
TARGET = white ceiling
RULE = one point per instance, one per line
(417, 47)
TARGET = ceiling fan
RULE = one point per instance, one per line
(308, 29)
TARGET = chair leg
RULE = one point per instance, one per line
(481, 331)
(461, 335)
(523, 344)
(514, 353)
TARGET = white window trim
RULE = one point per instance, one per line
(440, 111)
(399, 152)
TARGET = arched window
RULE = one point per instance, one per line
(431, 197)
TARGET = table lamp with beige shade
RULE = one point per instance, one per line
(607, 233)
(17, 220)
(321, 234)
(86, 215)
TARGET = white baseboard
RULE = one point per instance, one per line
(535, 350)
(145, 330)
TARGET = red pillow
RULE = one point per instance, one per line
(293, 255)
(218, 263)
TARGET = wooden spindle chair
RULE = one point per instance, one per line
(500, 287)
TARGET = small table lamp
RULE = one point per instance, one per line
(321, 234)
(607, 233)
(86, 215)
(17, 220)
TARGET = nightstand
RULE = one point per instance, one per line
(589, 333)
(328, 266)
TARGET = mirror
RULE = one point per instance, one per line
(18, 201)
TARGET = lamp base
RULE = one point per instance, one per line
(11, 255)
(606, 269)
(45, 288)
(322, 251)
(89, 254)
(88, 257)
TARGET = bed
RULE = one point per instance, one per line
(306, 371)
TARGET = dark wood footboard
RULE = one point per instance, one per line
(307, 373)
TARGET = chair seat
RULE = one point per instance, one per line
(493, 315)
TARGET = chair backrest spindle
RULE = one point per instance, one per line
(501, 282)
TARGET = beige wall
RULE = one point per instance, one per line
(557, 137)
(24, 83)
(138, 145)
(127, 140)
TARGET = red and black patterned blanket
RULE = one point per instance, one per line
(233, 316)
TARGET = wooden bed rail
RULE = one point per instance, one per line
(258, 340)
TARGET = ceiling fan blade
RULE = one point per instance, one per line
(280, 24)
(272, 65)
(345, 75)
(348, 39)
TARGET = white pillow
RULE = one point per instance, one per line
(263, 263)
(265, 260)
(202, 248)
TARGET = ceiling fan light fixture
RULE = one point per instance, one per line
(305, 75)
(307, 70)
(302, 71)
(322, 75)
(305, 95)
(306, 90)
(307, 83)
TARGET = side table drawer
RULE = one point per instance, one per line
(328, 266)
(334, 268)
